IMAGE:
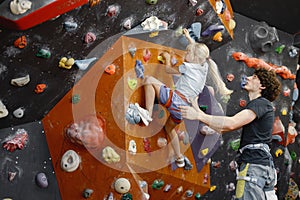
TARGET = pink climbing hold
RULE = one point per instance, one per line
(147, 55)
(89, 37)
(16, 141)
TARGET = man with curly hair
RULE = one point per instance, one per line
(256, 173)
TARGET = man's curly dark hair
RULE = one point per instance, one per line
(271, 83)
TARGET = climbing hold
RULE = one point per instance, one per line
(295, 92)
(189, 193)
(153, 23)
(89, 131)
(179, 190)
(278, 152)
(197, 196)
(199, 12)
(233, 165)
(75, 99)
(235, 144)
(110, 196)
(243, 81)
(18, 7)
(230, 187)
(205, 178)
(110, 69)
(293, 190)
(243, 102)
(21, 81)
(43, 53)
(94, 2)
(187, 164)
(126, 196)
(231, 24)
(110, 155)
(3, 110)
(40, 88)
(212, 188)
(11, 176)
(132, 147)
(279, 49)
(292, 51)
(220, 6)
(162, 142)
(89, 37)
(216, 164)
(153, 34)
(161, 114)
(70, 161)
(286, 92)
(227, 14)
(139, 69)
(132, 83)
(122, 185)
(132, 114)
(152, 2)
(291, 134)
(84, 64)
(16, 141)
(132, 51)
(70, 26)
(21, 42)
(157, 184)
(66, 63)
(127, 23)
(41, 180)
(146, 55)
(113, 10)
(167, 188)
(204, 151)
(230, 77)
(147, 146)
(212, 29)
(218, 37)
(19, 113)
(87, 193)
(193, 2)
(284, 111)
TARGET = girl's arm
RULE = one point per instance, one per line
(187, 35)
(169, 68)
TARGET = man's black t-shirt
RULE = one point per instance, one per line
(258, 131)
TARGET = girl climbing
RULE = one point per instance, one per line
(193, 73)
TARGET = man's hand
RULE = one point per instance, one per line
(191, 112)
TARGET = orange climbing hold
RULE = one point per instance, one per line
(21, 42)
(218, 37)
(40, 88)
(110, 69)
(255, 63)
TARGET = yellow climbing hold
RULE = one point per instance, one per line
(153, 34)
(161, 59)
(278, 152)
(212, 188)
(204, 151)
(218, 37)
(66, 63)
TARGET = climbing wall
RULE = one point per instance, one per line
(89, 95)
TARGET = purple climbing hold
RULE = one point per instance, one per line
(243, 81)
(41, 180)
(212, 29)
(139, 69)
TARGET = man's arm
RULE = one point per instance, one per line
(219, 123)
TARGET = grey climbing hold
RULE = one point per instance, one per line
(87, 193)
(19, 113)
(41, 180)
(84, 64)
(3, 110)
(21, 81)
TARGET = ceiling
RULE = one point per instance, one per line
(283, 15)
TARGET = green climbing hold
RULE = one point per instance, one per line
(293, 155)
(161, 114)
(43, 53)
(126, 196)
(152, 2)
(280, 49)
(158, 184)
(203, 107)
(235, 144)
(197, 196)
(75, 98)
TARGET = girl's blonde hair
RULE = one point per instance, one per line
(200, 54)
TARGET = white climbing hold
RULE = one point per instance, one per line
(21, 81)
(18, 7)
(70, 161)
(3, 110)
